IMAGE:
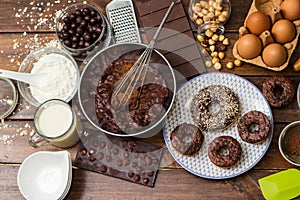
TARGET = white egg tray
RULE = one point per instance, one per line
(270, 8)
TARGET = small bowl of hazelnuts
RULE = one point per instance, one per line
(81, 29)
(209, 14)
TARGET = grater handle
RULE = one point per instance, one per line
(163, 21)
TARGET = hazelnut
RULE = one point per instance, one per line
(211, 41)
(208, 63)
(199, 21)
(204, 11)
(221, 38)
(226, 41)
(222, 18)
(221, 55)
(296, 65)
(200, 38)
(218, 66)
(215, 37)
(210, 15)
(229, 65)
(209, 33)
(197, 7)
(225, 13)
(288, 46)
(212, 48)
(217, 13)
(218, 7)
(237, 62)
(215, 60)
(214, 54)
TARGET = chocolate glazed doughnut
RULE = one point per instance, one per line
(187, 139)
(224, 151)
(254, 127)
(278, 90)
(215, 107)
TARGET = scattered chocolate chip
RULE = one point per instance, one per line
(92, 158)
(103, 169)
(115, 151)
(100, 156)
(150, 174)
(126, 154)
(126, 162)
(119, 163)
(134, 164)
(96, 143)
(136, 178)
(146, 181)
(110, 146)
(148, 160)
(83, 151)
(108, 158)
(139, 169)
(132, 143)
(102, 145)
(91, 151)
(130, 174)
(78, 161)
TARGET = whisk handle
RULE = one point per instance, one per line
(163, 21)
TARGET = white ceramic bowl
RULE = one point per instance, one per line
(45, 174)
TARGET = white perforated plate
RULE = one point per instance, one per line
(250, 98)
(121, 15)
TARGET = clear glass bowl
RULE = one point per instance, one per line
(96, 67)
(8, 97)
(289, 143)
(209, 14)
(28, 64)
(85, 52)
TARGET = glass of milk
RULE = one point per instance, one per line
(57, 123)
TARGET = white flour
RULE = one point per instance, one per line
(60, 80)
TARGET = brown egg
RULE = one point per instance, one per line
(258, 22)
(274, 55)
(249, 46)
(283, 31)
(290, 9)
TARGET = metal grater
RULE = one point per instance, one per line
(122, 18)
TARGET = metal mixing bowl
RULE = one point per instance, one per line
(95, 68)
(287, 143)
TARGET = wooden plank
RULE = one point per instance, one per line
(18, 135)
(36, 16)
(89, 185)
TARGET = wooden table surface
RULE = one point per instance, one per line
(27, 25)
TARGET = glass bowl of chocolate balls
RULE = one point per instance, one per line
(82, 29)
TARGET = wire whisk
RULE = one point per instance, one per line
(137, 72)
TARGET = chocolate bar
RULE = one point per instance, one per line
(124, 158)
(184, 54)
